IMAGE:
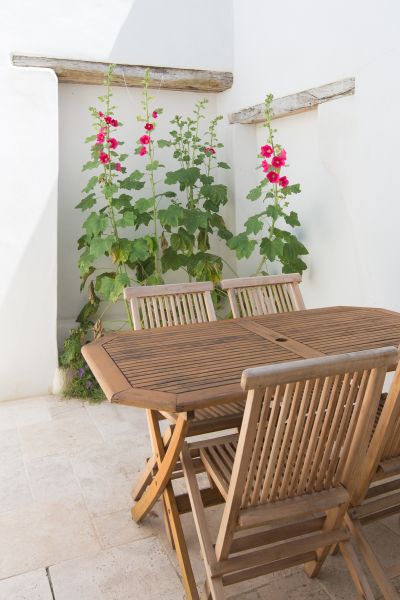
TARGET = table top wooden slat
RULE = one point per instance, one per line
(193, 366)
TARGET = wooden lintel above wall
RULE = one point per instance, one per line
(296, 103)
(168, 78)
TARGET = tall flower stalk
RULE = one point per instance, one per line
(264, 230)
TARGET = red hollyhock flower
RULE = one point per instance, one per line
(100, 137)
(154, 114)
(272, 176)
(283, 182)
(108, 120)
(114, 122)
(265, 166)
(143, 151)
(209, 150)
(149, 126)
(278, 162)
(118, 167)
(282, 154)
(113, 143)
(145, 139)
(104, 158)
(266, 151)
(100, 114)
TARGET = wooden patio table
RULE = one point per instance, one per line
(179, 369)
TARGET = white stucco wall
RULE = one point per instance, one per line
(344, 154)
(176, 33)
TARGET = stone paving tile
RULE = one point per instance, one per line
(44, 534)
(15, 491)
(28, 586)
(52, 479)
(117, 528)
(67, 434)
(140, 570)
(19, 413)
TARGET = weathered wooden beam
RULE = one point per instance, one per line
(296, 103)
(168, 78)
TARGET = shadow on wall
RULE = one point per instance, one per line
(176, 33)
(27, 366)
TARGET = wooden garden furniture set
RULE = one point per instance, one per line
(306, 451)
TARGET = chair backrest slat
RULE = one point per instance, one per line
(254, 296)
(170, 305)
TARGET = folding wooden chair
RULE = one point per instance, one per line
(171, 306)
(252, 296)
(376, 491)
(305, 431)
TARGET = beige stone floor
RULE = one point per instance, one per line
(66, 471)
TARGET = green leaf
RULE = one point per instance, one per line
(216, 195)
(171, 216)
(274, 211)
(292, 219)
(123, 201)
(109, 190)
(206, 179)
(293, 248)
(100, 246)
(120, 251)
(203, 242)
(91, 138)
(254, 224)
(163, 143)
(111, 285)
(223, 165)
(242, 245)
(218, 222)
(185, 177)
(171, 260)
(291, 189)
(88, 311)
(85, 262)
(153, 166)
(139, 250)
(254, 194)
(128, 219)
(85, 276)
(87, 202)
(294, 266)
(91, 164)
(194, 218)
(205, 267)
(169, 194)
(271, 248)
(90, 184)
(182, 241)
(123, 157)
(95, 224)
(132, 182)
(143, 204)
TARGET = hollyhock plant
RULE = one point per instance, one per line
(104, 158)
(267, 230)
(113, 143)
(142, 150)
(149, 127)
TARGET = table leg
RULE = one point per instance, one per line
(161, 484)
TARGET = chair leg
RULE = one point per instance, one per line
(214, 585)
(360, 581)
(375, 567)
(333, 520)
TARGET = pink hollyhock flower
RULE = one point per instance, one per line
(100, 137)
(282, 154)
(108, 120)
(283, 182)
(154, 114)
(118, 167)
(100, 114)
(278, 162)
(143, 151)
(149, 126)
(265, 166)
(272, 176)
(113, 143)
(114, 122)
(209, 150)
(104, 158)
(266, 151)
(145, 139)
